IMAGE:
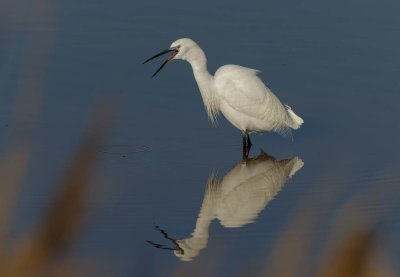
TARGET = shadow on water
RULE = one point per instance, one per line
(235, 200)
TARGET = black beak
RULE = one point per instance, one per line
(160, 246)
(174, 52)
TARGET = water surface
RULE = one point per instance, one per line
(337, 65)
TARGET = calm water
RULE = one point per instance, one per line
(337, 64)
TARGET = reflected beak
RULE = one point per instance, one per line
(174, 53)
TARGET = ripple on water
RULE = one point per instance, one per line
(125, 149)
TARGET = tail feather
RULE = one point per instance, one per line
(296, 120)
(297, 164)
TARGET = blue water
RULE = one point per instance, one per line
(337, 64)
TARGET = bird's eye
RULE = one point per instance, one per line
(178, 46)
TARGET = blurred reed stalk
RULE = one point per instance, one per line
(28, 97)
(34, 254)
(64, 216)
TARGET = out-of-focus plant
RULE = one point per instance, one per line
(33, 255)
(36, 253)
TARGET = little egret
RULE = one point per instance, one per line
(235, 200)
(236, 92)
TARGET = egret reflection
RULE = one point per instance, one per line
(236, 200)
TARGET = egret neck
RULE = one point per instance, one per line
(205, 81)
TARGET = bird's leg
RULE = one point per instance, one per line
(248, 141)
(246, 145)
(244, 139)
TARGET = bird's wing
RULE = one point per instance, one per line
(242, 90)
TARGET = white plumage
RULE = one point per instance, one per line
(248, 104)
(238, 198)
(235, 91)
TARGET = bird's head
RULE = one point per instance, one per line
(181, 49)
(185, 47)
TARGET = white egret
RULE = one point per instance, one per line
(236, 200)
(236, 92)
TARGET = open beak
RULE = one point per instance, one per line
(174, 53)
(177, 248)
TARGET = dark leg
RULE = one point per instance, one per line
(246, 145)
(248, 141)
